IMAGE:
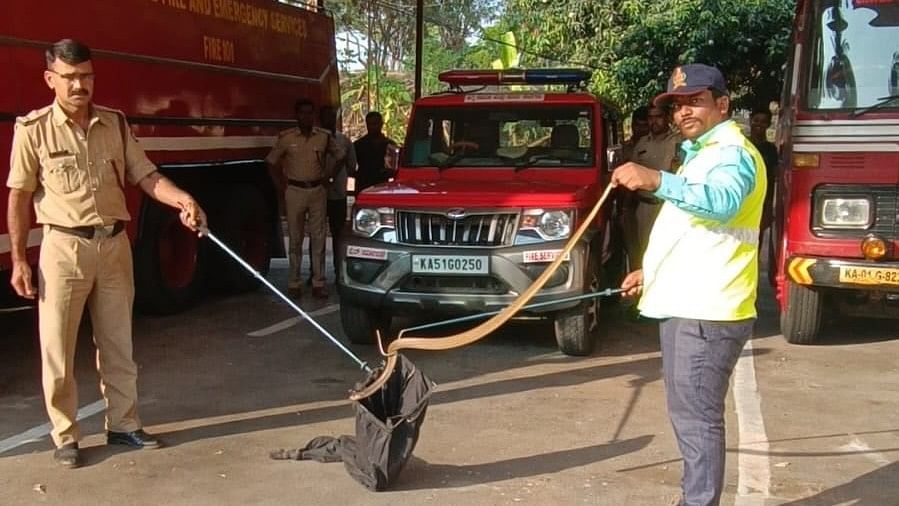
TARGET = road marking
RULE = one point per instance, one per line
(204, 143)
(290, 322)
(34, 238)
(16, 309)
(35, 434)
(754, 468)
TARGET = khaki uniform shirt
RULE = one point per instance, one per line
(305, 158)
(657, 151)
(77, 177)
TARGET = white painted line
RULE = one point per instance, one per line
(17, 309)
(34, 238)
(754, 468)
(205, 143)
(859, 446)
(35, 434)
(290, 322)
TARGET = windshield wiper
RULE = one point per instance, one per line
(882, 102)
(445, 163)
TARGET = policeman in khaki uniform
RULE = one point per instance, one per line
(657, 150)
(302, 162)
(71, 159)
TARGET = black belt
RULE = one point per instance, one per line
(99, 231)
(306, 184)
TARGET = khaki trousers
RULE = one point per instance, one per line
(74, 272)
(298, 202)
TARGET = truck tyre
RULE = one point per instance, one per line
(360, 323)
(800, 320)
(577, 328)
(168, 262)
(242, 221)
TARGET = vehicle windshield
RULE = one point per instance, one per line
(855, 54)
(501, 136)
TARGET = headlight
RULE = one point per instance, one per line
(368, 221)
(845, 213)
(549, 225)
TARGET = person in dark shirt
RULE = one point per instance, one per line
(759, 123)
(370, 151)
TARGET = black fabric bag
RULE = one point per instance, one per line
(387, 428)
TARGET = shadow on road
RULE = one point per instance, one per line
(420, 474)
(648, 370)
(877, 487)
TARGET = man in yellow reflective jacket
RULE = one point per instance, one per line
(699, 274)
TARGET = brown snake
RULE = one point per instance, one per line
(471, 335)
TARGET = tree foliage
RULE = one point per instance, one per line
(386, 78)
(633, 44)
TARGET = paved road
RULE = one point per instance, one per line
(513, 422)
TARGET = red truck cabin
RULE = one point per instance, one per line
(206, 86)
(836, 237)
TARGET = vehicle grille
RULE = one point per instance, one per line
(886, 208)
(435, 229)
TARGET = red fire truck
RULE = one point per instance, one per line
(494, 175)
(837, 202)
(206, 86)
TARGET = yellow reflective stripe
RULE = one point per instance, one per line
(798, 270)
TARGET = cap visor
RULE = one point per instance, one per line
(686, 91)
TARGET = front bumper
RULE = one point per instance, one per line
(839, 273)
(379, 275)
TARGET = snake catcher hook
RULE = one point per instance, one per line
(471, 335)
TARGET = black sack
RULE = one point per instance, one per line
(387, 427)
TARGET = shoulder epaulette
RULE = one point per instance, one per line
(291, 130)
(34, 115)
(107, 109)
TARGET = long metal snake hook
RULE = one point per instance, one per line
(471, 335)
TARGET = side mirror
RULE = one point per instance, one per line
(392, 158)
(614, 158)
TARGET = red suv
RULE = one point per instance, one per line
(494, 176)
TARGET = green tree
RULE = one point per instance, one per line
(632, 45)
(378, 36)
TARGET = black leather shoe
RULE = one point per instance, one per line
(136, 439)
(68, 456)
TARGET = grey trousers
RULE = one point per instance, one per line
(698, 357)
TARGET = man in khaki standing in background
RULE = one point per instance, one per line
(71, 159)
(337, 199)
(301, 162)
(657, 150)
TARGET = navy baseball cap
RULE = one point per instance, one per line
(691, 79)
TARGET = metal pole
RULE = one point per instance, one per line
(592, 295)
(419, 38)
(362, 364)
(368, 58)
